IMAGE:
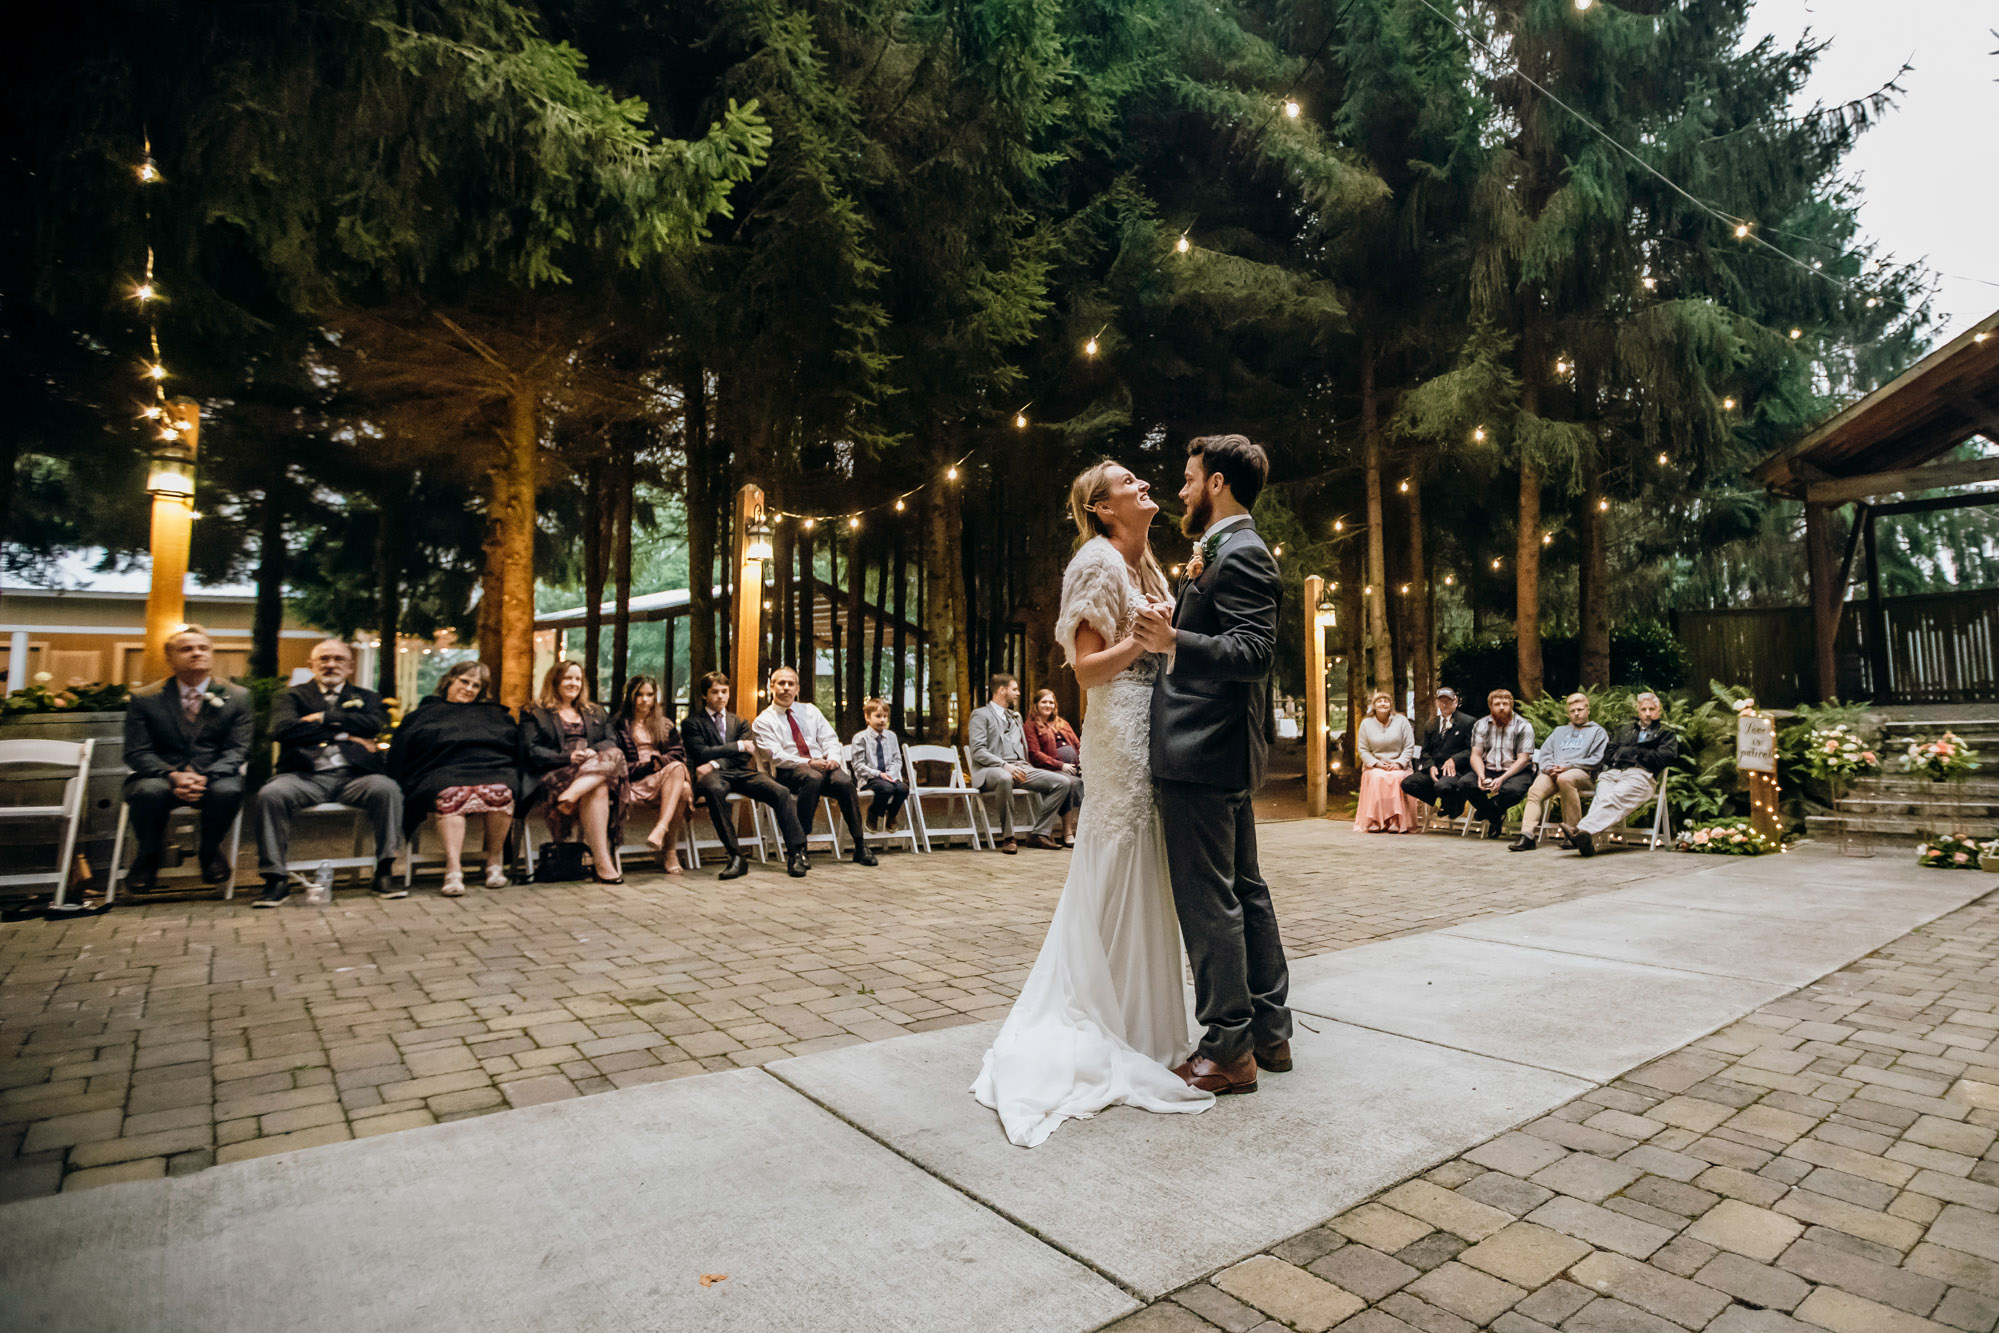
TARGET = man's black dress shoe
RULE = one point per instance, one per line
(739, 866)
(864, 857)
(144, 875)
(1523, 843)
(215, 868)
(1585, 842)
(276, 889)
(797, 864)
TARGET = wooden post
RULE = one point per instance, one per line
(1763, 805)
(1878, 653)
(1827, 591)
(1315, 699)
(173, 528)
(745, 627)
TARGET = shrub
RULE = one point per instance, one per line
(1948, 851)
(1725, 837)
(1642, 656)
(92, 698)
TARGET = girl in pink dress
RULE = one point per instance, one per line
(656, 763)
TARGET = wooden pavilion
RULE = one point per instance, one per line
(1933, 648)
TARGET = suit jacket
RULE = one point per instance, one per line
(996, 743)
(1655, 754)
(358, 713)
(706, 746)
(1211, 717)
(1447, 740)
(160, 740)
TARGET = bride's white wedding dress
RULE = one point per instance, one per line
(1105, 1013)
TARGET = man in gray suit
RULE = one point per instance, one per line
(186, 738)
(1211, 724)
(999, 764)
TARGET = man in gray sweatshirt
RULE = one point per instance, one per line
(1568, 762)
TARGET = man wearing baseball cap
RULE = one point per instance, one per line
(1445, 758)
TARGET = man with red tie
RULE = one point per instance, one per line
(809, 758)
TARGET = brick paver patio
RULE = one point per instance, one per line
(1826, 1163)
(165, 1037)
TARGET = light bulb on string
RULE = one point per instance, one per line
(1020, 421)
(1277, 550)
(1495, 562)
(1561, 365)
(144, 292)
(1742, 231)
(1728, 404)
(156, 372)
(1090, 347)
(1603, 505)
(149, 171)
(1582, 6)
(951, 473)
(853, 522)
(1183, 245)
(808, 525)
(1547, 539)
(151, 411)
(1662, 458)
(1367, 590)
(1797, 334)
(1450, 580)
(1478, 435)
(1291, 108)
(1339, 525)
(1404, 487)
(1873, 301)
(1405, 589)
(898, 506)
(1651, 284)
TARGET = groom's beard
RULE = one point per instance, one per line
(1196, 520)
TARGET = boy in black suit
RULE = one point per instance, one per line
(722, 751)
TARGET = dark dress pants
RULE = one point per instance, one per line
(716, 788)
(889, 799)
(288, 793)
(808, 784)
(1431, 788)
(1230, 928)
(1494, 804)
(153, 799)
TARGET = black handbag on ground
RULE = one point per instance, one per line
(559, 863)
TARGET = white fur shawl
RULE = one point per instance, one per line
(1096, 591)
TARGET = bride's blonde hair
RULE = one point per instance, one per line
(1088, 490)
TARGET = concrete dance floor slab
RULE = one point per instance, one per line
(916, 1214)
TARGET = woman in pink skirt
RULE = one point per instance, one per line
(656, 764)
(1387, 750)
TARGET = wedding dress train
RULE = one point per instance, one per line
(1106, 1012)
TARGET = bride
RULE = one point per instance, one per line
(1104, 1014)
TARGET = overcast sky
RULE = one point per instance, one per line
(1930, 170)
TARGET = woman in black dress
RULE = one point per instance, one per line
(456, 756)
(575, 768)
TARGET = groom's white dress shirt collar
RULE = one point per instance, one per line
(1221, 524)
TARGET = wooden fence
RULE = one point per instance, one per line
(1942, 648)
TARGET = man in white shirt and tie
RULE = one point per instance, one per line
(999, 764)
(809, 758)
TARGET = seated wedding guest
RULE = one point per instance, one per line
(325, 730)
(1387, 749)
(723, 752)
(575, 768)
(655, 766)
(458, 755)
(1052, 745)
(186, 738)
(1446, 754)
(1568, 761)
(875, 755)
(1639, 753)
(809, 758)
(1502, 762)
(999, 764)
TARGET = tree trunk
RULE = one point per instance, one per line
(1381, 640)
(881, 619)
(807, 664)
(897, 678)
(492, 578)
(1527, 540)
(517, 548)
(593, 572)
(701, 648)
(391, 539)
(950, 667)
(621, 556)
(1422, 610)
(842, 650)
(1592, 599)
(1353, 610)
(857, 585)
(268, 622)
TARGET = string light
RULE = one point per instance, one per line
(1797, 334)
(149, 172)
(144, 292)
(1742, 231)
(1980, 336)
(1339, 525)
(1090, 347)
(1662, 458)
(1561, 365)
(156, 371)
(1183, 245)
(1291, 108)
(1728, 404)
(1603, 505)
(1547, 539)
(1404, 487)
(1651, 284)
(1278, 550)
(1582, 6)
(1478, 435)
(808, 525)
(853, 522)
(1367, 590)
(951, 473)
(1495, 562)
(1405, 588)
(1450, 580)
(898, 506)
(1020, 421)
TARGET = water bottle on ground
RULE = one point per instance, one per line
(320, 892)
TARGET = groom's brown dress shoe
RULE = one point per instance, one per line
(1203, 1073)
(1274, 1059)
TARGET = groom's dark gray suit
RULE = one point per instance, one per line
(1211, 723)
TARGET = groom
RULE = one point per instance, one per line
(1210, 737)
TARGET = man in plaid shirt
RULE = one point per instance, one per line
(1502, 761)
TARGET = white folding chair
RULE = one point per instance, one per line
(954, 791)
(829, 836)
(360, 858)
(714, 843)
(905, 817)
(188, 812)
(71, 755)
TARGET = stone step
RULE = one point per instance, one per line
(1909, 788)
(1923, 812)
(1894, 832)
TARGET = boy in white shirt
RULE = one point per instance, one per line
(876, 758)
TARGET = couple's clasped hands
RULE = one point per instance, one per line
(1154, 628)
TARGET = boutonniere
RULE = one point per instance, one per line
(1211, 544)
(213, 697)
(353, 703)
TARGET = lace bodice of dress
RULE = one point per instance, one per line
(1100, 590)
